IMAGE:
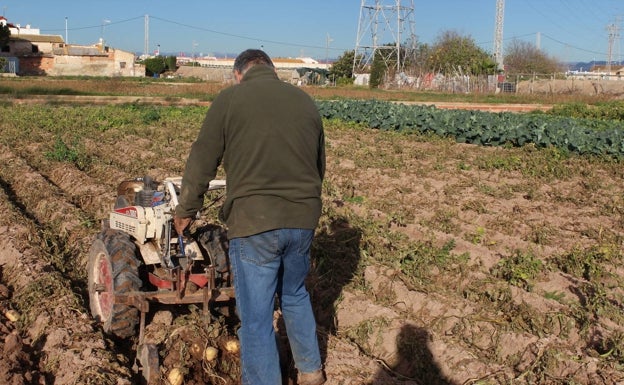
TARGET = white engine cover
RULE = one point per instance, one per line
(142, 223)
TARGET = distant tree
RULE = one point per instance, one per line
(420, 57)
(382, 62)
(342, 68)
(3, 62)
(525, 58)
(155, 65)
(171, 63)
(453, 54)
(5, 35)
(384, 65)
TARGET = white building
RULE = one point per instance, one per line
(280, 63)
(32, 53)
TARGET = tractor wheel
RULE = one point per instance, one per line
(113, 269)
(213, 239)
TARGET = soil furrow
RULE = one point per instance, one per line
(45, 202)
(55, 341)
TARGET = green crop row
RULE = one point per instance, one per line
(612, 110)
(582, 136)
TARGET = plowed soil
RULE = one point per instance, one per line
(434, 262)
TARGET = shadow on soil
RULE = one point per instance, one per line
(336, 258)
(415, 363)
(335, 254)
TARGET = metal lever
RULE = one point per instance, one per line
(181, 244)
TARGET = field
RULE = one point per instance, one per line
(434, 262)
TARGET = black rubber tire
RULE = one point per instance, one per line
(213, 239)
(113, 268)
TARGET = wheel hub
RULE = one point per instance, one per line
(103, 286)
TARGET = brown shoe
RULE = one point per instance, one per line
(312, 378)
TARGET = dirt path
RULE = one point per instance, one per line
(174, 101)
(487, 107)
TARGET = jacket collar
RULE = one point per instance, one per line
(259, 72)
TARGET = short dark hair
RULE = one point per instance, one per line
(250, 58)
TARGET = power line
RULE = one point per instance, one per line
(243, 37)
(596, 6)
(571, 46)
(99, 26)
(567, 45)
(544, 15)
(555, 14)
(203, 29)
(490, 42)
(286, 43)
(579, 20)
(591, 9)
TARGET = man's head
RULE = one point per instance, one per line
(248, 59)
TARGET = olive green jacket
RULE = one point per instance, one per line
(269, 136)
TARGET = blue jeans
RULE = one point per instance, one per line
(266, 264)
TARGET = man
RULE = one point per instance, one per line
(269, 136)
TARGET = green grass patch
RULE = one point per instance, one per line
(519, 269)
(588, 263)
(422, 261)
(62, 152)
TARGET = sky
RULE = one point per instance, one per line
(569, 30)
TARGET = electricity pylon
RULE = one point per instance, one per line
(381, 28)
(498, 34)
(614, 36)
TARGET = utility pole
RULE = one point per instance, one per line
(327, 42)
(387, 21)
(104, 22)
(66, 37)
(146, 33)
(498, 34)
(614, 36)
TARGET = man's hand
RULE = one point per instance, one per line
(181, 223)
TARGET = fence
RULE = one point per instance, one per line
(556, 83)
(11, 65)
(447, 84)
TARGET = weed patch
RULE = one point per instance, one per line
(519, 269)
(588, 263)
(42, 295)
(61, 152)
(423, 260)
(368, 334)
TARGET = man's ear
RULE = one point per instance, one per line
(238, 76)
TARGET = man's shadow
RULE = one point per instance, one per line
(414, 363)
(335, 254)
(335, 259)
